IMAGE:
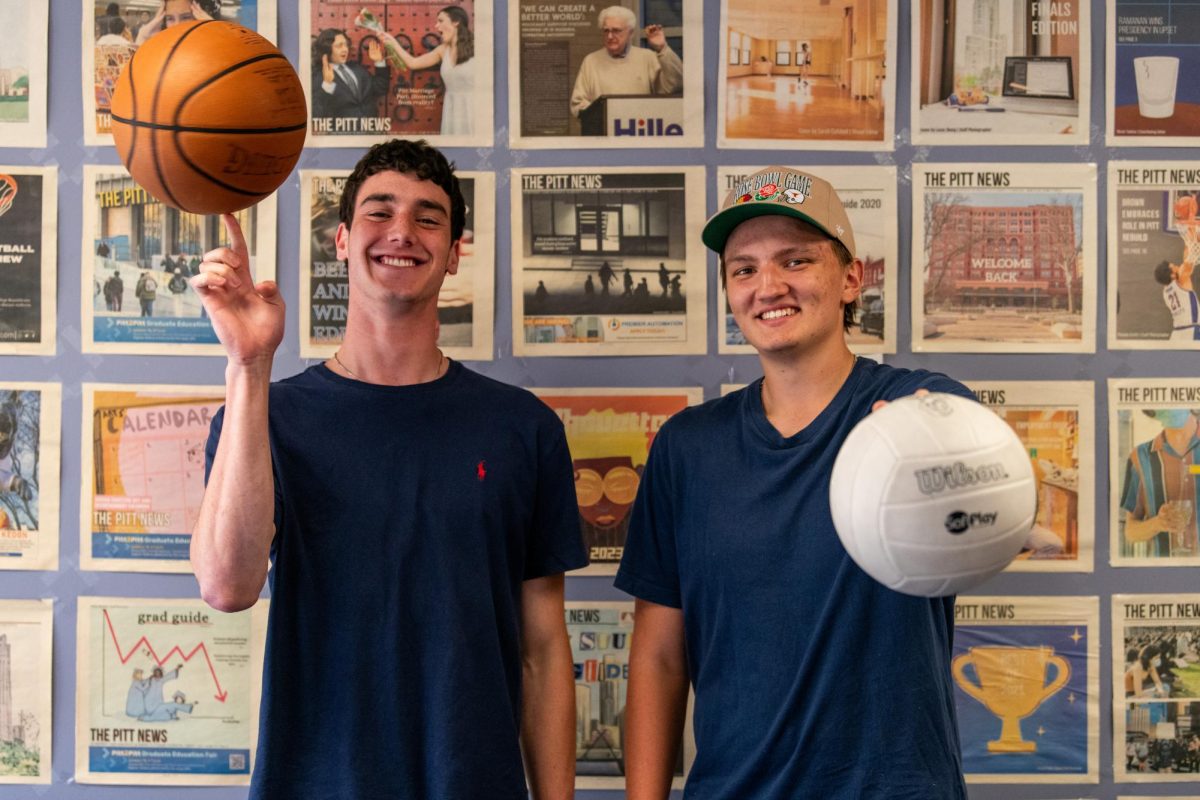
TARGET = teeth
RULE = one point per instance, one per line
(397, 262)
(781, 312)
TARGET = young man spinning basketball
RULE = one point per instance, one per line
(811, 679)
(417, 518)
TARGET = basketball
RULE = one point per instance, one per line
(209, 117)
(1185, 208)
(932, 495)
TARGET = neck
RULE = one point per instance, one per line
(399, 351)
(796, 391)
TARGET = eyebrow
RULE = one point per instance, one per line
(388, 197)
(800, 249)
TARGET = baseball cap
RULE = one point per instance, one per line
(780, 190)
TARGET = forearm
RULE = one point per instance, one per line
(654, 717)
(670, 72)
(231, 542)
(548, 720)
(1141, 530)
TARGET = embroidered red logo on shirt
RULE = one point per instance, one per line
(481, 470)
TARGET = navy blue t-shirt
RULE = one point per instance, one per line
(407, 519)
(811, 679)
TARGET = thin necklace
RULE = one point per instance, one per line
(443, 363)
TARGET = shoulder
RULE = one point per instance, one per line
(885, 382)
(697, 426)
(498, 399)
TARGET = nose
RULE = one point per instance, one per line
(400, 230)
(770, 282)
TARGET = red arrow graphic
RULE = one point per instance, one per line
(200, 648)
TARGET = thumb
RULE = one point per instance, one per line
(268, 290)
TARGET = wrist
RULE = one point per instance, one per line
(257, 368)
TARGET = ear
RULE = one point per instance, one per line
(852, 284)
(341, 241)
(452, 258)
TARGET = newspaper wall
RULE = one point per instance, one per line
(143, 467)
(1055, 421)
(30, 442)
(578, 81)
(1153, 247)
(987, 72)
(26, 670)
(1153, 471)
(23, 74)
(1004, 258)
(1150, 98)
(609, 433)
(414, 69)
(465, 304)
(166, 691)
(1156, 687)
(28, 259)
(110, 41)
(137, 257)
(869, 196)
(608, 261)
(1027, 688)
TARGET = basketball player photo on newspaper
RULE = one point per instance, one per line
(23, 74)
(137, 257)
(416, 69)
(28, 260)
(1026, 674)
(113, 31)
(1154, 444)
(1156, 687)
(869, 196)
(1004, 258)
(30, 445)
(1055, 421)
(27, 639)
(992, 72)
(797, 74)
(1153, 249)
(466, 299)
(592, 75)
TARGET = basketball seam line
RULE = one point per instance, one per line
(162, 126)
(162, 178)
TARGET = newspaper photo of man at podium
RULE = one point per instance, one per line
(621, 68)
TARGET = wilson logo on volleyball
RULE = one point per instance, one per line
(957, 476)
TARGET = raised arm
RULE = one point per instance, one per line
(430, 59)
(657, 700)
(548, 691)
(232, 539)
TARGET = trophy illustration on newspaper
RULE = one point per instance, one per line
(1012, 684)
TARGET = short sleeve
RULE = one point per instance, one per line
(555, 542)
(1131, 490)
(649, 567)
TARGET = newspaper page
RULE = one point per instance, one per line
(1153, 472)
(1027, 688)
(632, 79)
(26, 672)
(1004, 258)
(30, 447)
(109, 41)
(609, 433)
(414, 69)
(795, 74)
(608, 261)
(1001, 72)
(138, 255)
(1153, 247)
(465, 304)
(143, 467)
(1152, 48)
(1156, 687)
(869, 197)
(600, 633)
(28, 259)
(166, 691)
(1055, 421)
(23, 84)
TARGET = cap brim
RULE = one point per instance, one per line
(716, 230)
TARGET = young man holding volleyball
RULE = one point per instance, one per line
(416, 517)
(811, 679)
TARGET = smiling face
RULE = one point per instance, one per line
(786, 287)
(616, 36)
(398, 244)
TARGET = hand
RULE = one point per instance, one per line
(153, 26)
(655, 37)
(247, 317)
(878, 404)
(374, 52)
(326, 70)
(198, 12)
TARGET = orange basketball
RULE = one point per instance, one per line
(209, 117)
(1185, 208)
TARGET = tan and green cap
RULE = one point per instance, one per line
(780, 190)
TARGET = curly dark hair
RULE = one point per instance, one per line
(323, 45)
(409, 157)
